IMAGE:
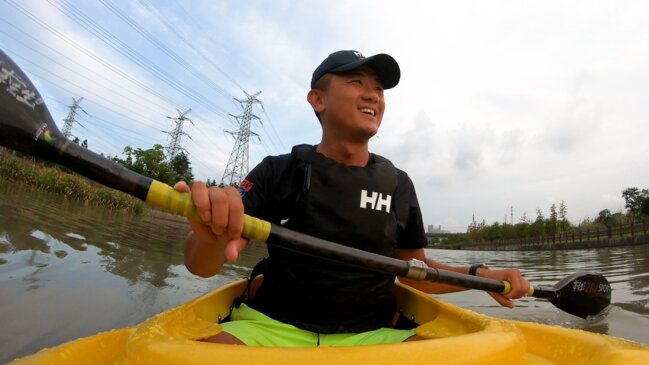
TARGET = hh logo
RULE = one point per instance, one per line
(376, 201)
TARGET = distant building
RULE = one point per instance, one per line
(432, 229)
(435, 235)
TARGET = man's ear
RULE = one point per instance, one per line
(315, 98)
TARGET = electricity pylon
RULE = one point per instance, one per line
(237, 167)
(174, 147)
(71, 118)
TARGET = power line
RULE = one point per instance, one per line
(104, 80)
(101, 142)
(92, 55)
(273, 129)
(109, 39)
(189, 44)
(86, 52)
(111, 132)
(59, 86)
(117, 129)
(173, 55)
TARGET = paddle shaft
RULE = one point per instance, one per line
(101, 169)
(412, 269)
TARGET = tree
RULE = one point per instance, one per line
(644, 207)
(604, 217)
(181, 168)
(150, 163)
(522, 229)
(476, 231)
(83, 143)
(634, 199)
(494, 232)
(564, 224)
(525, 219)
(553, 222)
(538, 226)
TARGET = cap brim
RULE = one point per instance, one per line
(386, 68)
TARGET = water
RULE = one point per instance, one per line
(69, 270)
(626, 268)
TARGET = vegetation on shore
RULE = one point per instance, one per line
(45, 176)
(636, 205)
(48, 177)
(155, 164)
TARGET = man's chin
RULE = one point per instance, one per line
(365, 137)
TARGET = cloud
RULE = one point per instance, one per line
(511, 143)
(469, 145)
(415, 146)
(579, 121)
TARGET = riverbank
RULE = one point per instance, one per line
(641, 239)
(47, 177)
(633, 233)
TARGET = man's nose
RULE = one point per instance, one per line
(370, 93)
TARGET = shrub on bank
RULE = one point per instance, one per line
(53, 179)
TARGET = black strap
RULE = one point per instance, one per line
(473, 270)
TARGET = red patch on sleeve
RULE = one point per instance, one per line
(245, 187)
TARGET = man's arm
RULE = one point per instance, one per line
(208, 246)
(520, 286)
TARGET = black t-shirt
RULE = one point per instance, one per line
(315, 293)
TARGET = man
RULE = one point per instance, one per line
(337, 191)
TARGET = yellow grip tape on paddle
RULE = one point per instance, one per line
(163, 196)
(508, 288)
(255, 228)
(166, 198)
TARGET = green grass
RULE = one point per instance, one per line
(53, 179)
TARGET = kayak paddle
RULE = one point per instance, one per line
(28, 127)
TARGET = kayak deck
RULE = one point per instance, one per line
(454, 336)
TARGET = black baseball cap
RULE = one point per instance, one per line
(386, 67)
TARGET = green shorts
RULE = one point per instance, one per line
(256, 329)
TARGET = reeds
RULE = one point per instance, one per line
(54, 179)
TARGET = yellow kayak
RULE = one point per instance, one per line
(455, 336)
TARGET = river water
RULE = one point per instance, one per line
(69, 270)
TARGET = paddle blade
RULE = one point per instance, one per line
(26, 124)
(582, 294)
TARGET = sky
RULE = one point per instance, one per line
(504, 107)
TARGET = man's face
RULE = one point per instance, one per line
(353, 104)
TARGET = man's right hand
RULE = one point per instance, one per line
(218, 237)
